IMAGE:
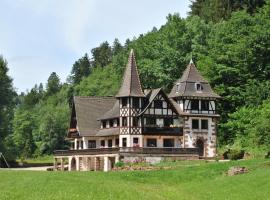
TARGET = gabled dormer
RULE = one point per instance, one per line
(193, 93)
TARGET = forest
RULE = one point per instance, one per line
(229, 42)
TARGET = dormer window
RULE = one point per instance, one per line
(198, 87)
(177, 87)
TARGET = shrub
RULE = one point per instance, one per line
(235, 154)
(119, 164)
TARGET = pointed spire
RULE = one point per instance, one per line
(131, 85)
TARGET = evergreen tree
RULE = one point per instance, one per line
(80, 69)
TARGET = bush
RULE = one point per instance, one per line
(235, 154)
(119, 164)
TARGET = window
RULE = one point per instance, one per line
(195, 124)
(168, 143)
(111, 123)
(81, 144)
(150, 121)
(135, 141)
(135, 121)
(160, 122)
(168, 122)
(194, 104)
(102, 143)
(145, 102)
(91, 144)
(124, 142)
(205, 105)
(103, 124)
(109, 143)
(117, 142)
(198, 86)
(204, 124)
(135, 102)
(124, 121)
(78, 144)
(158, 103)
(117, 121)
(151, 142)
(124, 102)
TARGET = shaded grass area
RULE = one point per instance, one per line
(187, 180)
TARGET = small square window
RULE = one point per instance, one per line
(135, 102)
(102, 143)
(135, 141)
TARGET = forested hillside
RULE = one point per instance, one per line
(231, 49)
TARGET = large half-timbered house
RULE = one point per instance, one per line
(144, 125)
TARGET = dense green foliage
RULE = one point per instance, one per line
(217, 10)
(230, 47)
(187, 180)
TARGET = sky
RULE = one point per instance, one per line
(45, 36)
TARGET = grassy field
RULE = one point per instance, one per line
(187, 180)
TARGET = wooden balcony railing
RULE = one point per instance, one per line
(129, 150)
(155, 150)
(162, 130)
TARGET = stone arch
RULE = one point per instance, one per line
(73, 164)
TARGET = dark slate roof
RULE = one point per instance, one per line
(112, 113)
(88, 110)
(108, 132)
(187, 85)
(131, 85)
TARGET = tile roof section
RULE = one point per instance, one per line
(131, 85)
(112, 113)
(108, 132)
(88, 110)
(186, 85)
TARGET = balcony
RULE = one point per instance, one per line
(129, 150)
(94, 151)
(155, 130)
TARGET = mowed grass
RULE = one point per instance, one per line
(187, 180)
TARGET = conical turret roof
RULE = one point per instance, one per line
(131, 85)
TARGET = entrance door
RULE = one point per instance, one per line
(200, 146)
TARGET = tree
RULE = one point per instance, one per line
(53, 84)
(6, 104)
(23, 126)
(117, 47)
(102, 55)
(217, 10)
(81, 68)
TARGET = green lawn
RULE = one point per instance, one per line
(188, 180)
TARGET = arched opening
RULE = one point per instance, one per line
(73, 164)
(200, 146)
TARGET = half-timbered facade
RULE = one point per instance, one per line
(147, 125)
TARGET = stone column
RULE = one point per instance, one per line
(55, 164)
(106, 164)
(77, 163)
(117, 159)
(62, 164)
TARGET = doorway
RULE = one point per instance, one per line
(200, 146)
(73, 164)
